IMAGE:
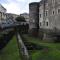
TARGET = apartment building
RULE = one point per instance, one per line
(2, 13)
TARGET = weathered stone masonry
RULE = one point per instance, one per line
(34, 15)
(49, 16)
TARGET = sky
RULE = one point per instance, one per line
(17, 6)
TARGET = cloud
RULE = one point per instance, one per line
(12, 8)
(34, 0)
(17, 6)
(20, 0)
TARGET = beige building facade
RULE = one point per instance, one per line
(2, 13)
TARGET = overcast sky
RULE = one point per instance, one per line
(17, 6)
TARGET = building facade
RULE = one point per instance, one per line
(54, 14)
(2, 13)
(26, 16)
(49, 17)
(6, 16)
(11, 16)
(43, 14)
(33, 15)
(49, 14)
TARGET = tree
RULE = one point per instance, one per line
(20, 19)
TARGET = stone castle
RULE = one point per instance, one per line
(45, 15)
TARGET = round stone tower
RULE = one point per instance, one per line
(34, 15)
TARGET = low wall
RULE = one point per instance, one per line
(34, 32)
(47, 35)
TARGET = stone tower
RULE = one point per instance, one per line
(34, 15)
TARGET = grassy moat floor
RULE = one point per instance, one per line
(51, 51)
(10, 52)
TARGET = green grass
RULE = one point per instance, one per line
(52, 52)
(50, 55)
(10, 52)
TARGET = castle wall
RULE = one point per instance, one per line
(54, 19)
(49, 17)
(33, 15)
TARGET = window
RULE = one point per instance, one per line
(58, 11)
(40, 23)
(53, 12)
(53, 1)
(46, 23)
(40, 15)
